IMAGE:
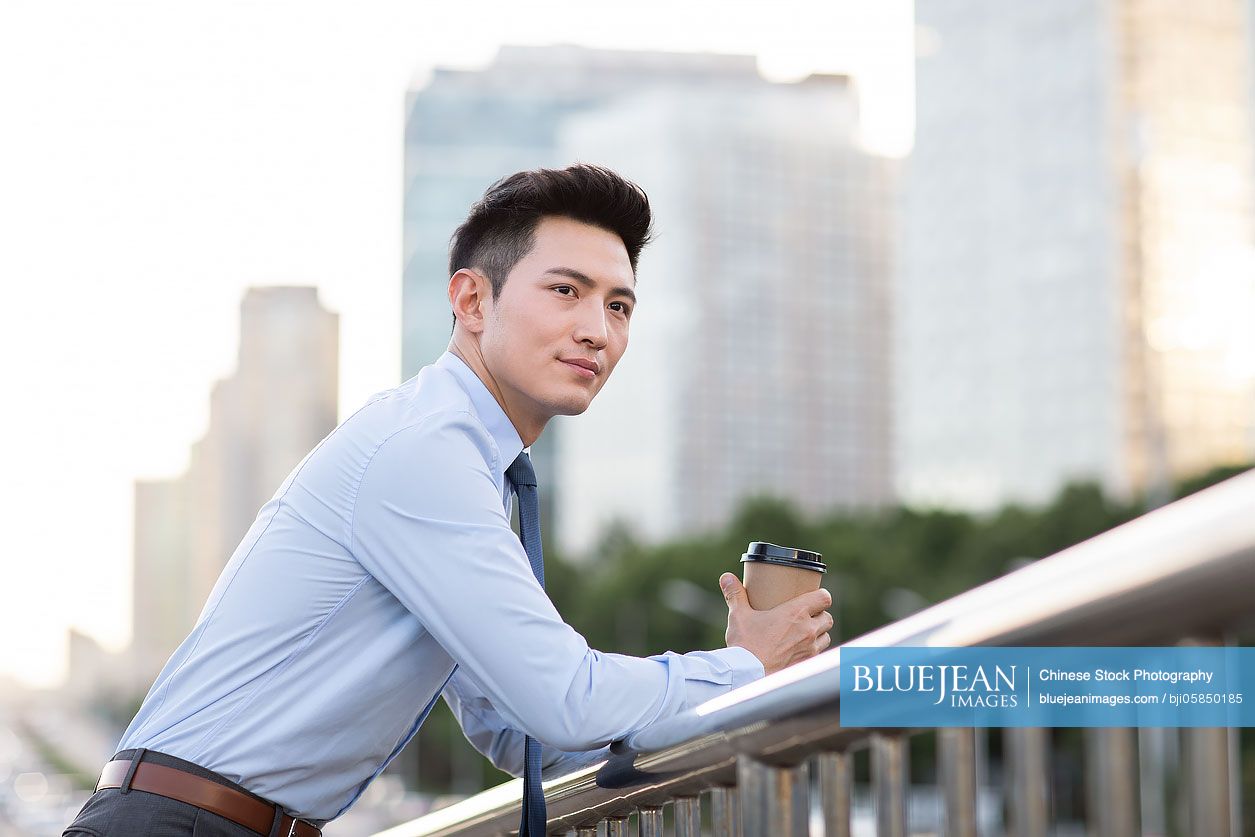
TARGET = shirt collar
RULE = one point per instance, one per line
(498, 424)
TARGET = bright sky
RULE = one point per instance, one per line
(157, 158)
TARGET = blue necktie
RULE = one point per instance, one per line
(523, 477)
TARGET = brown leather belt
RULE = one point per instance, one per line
(239, 808)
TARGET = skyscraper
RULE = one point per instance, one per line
(1076, 265)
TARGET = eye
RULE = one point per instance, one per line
(562, 289)
(623, 308)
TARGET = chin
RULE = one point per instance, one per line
(571, 406)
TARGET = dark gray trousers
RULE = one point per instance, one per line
(112, 813)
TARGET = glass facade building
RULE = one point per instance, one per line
(1076, 252)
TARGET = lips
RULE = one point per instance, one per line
(592, 367)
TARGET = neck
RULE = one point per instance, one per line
(468, 351)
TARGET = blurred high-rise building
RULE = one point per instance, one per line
(1077, 274)
(281, 400)
(759, 354)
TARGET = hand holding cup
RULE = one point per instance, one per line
(780, 614)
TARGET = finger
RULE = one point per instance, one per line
(822, 642)
(822, 623)
(816, 601)
(733, 591)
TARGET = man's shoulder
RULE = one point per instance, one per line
(430, 408)
(423, 440)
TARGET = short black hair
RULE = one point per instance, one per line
(501, 227)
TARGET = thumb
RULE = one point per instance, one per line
(733, 591)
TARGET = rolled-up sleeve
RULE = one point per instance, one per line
(429, 524)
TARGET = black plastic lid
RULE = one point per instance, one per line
(785, 556)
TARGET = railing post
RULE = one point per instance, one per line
(889, 783)
(1111, 768)
(956, 770)
(650, 818)
(1210, 762)
(790, 808)
(725, 811)
(1029, 762)
(836, 790)
(688, 816)
(1209, 756)
(618, 827)
(751, 786)
(1157, 758)
(774, 800)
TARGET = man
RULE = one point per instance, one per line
(384, 571)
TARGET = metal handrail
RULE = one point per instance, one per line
(1184, 570)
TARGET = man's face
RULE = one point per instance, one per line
(554, 335)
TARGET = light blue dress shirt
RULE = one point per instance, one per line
(385, 558)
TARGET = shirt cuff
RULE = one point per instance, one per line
(746, 668)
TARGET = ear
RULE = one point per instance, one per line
(468, 291)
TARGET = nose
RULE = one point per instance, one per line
(590, 328)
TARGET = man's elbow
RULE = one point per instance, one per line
(506, 751)
(570, 735)
(558, 737)
(578, 724)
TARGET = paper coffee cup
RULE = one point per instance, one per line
(774, 574)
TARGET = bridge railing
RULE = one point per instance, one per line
(772, 759)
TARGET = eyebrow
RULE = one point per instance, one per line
(586, 281)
